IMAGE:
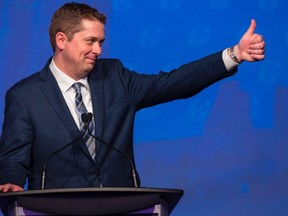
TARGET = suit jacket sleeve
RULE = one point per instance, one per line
(184, 82)
(16, 141)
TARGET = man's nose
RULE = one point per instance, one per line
(97, 48)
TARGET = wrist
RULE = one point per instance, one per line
(234, 54)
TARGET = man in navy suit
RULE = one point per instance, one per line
(41, 116)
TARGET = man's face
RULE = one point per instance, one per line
(79, 55)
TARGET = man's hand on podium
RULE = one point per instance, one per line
(10, 188)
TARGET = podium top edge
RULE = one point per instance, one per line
(94, 190)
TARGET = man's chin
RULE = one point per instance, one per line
(91, 61)
(90, 65)
(88, 69)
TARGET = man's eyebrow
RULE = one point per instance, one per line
(95, 38)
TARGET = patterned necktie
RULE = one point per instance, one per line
(82, 109)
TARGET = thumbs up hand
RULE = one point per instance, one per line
(251, 46)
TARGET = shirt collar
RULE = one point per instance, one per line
(64, 81)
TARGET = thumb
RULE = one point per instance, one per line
(252, 27)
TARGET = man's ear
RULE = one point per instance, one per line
(61, 39)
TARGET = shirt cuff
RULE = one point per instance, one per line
(228, 62)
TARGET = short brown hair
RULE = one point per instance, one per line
(68, 19)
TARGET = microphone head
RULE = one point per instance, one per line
(89, 116)
(86, 117)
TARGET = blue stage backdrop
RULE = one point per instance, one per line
(226, 147)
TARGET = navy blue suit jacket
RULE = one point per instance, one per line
(38, 122)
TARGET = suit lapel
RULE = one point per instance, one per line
(96, 87)
(53, 94)
(96, 82)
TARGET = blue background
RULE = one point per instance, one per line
(227, 146)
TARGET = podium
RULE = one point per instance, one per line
(91, 201)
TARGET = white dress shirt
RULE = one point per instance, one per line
(228, 62)
(66, 86)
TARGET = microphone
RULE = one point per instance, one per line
(43, 173)
(86, 119)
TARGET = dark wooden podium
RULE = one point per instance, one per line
(91, 201)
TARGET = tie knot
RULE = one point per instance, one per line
(77, 87)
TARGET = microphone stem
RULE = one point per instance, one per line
(134, 176)
(86, 119)
(43, 176)
(43, 179)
